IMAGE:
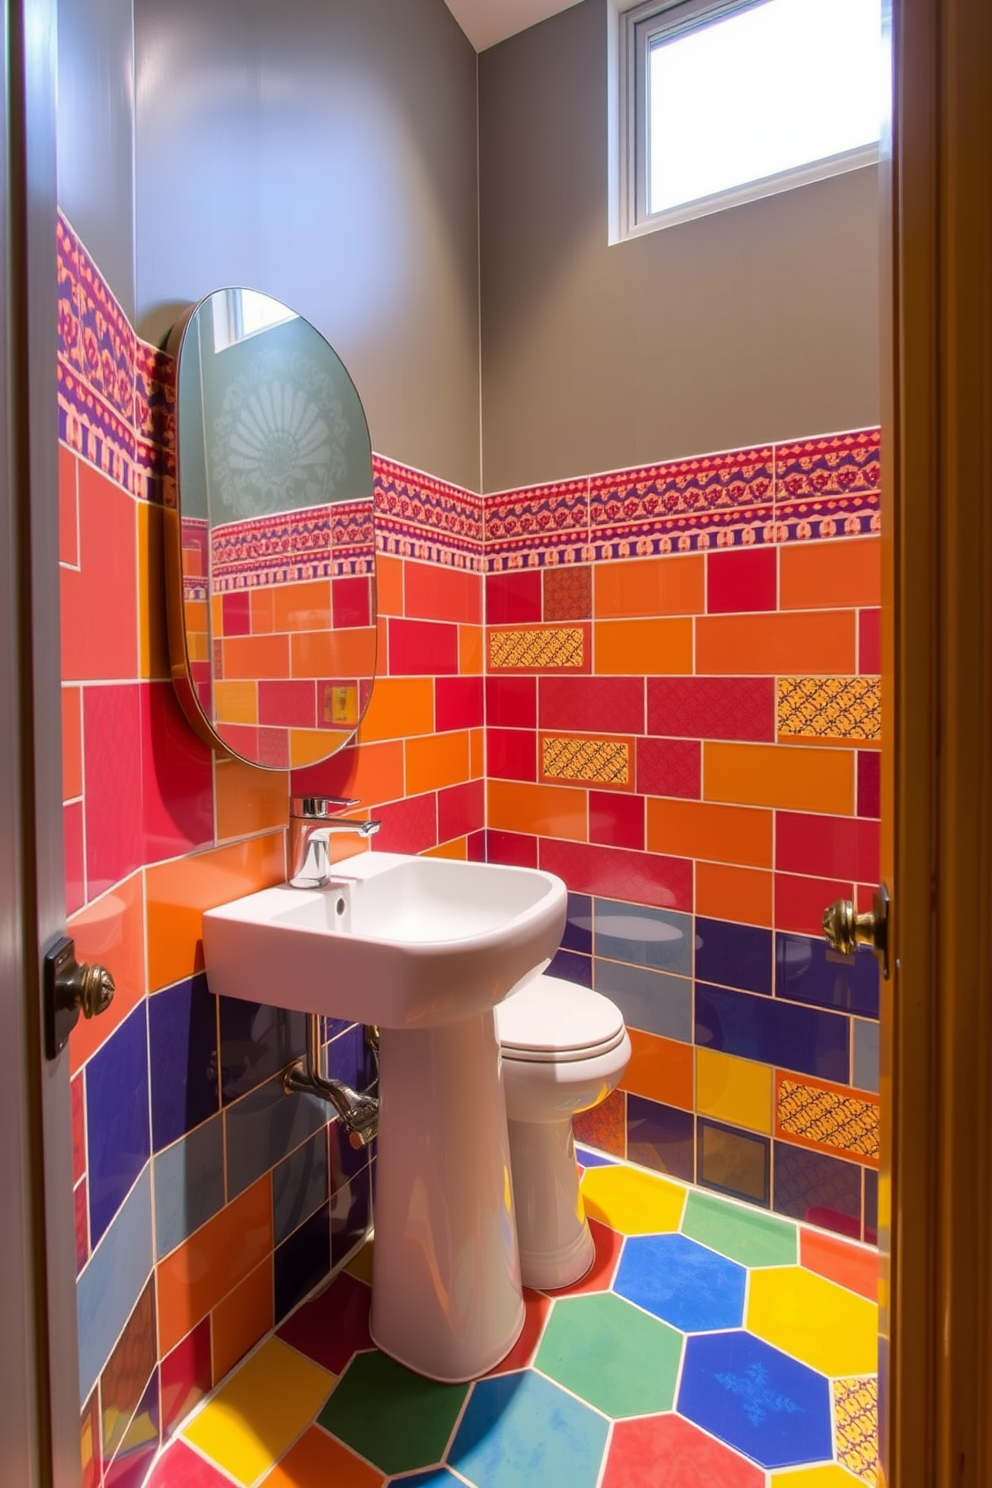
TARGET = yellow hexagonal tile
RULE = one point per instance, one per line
(822, 1325)
(633, 1203)
(828, 1476)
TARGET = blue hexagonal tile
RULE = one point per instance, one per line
(687, 1285)
(434, 1477)
(520, 1428)
(756, 1399)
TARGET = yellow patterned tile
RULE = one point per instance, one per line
(856, 1427)
(738, 1091)
(828, 1118)
(260, 1411)
(603, 761)
(827, 1476)
(631, 1202)
(549, 646)
(823, 1325)
(829, 707)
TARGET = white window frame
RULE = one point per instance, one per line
(632, 28)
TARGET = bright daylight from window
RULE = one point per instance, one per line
(763, 90)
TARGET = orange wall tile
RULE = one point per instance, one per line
(660, 1069)
(111, 932)
(248, 800)
(375, 773)
(398, 707)
(210, 1264)
(470, 650)
(153, 638)
(724, 892)
(72, 743)
(436, 761)
(434, 592)
(333, 653)
(257, 656)
(236, 702)
(699, 829)
(477, 748)
(388, 585)
(542, 810)
(650, 586)
(241, 1319)
(262, 609)
(456, 849)
(777, 645)
(635, 647)
(828, 575)
(302, 606)
(795, 779)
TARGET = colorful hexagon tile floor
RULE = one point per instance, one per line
(711, 1345)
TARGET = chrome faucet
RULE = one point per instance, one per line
(312, 820)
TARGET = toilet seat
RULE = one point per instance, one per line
(551, 1021)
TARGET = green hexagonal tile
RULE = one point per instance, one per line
(395, 1418)
(745, 1235)
(611, 1354)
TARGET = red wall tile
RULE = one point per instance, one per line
(176, 778)
(351, 601)
(511, 754)
(713, 707)
(75, 868)
(615, 704)
(869, 782)
(68, 536)
(236, 613)
(112, 764)
(288, 704)
(870, 642)
(99, 602)
(800, 902)
(461, 810)
(434, 592)
(408, 826)
(513, 598)
(458, 703)
(511, 702)
(669, 767)
(739, 581)
(643, 878)
(422, 648)
(616, 820)
(511, 848)
(838, 846)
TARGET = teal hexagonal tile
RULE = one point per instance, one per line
(612, 1354)
(521, 1428)
(745, 1235)
(395, 1418)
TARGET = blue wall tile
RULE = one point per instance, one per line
(572, 967)
(865, 1054)
(302, 1262)
(299, 1186)
(822, 1190)
(654, 1001)
(109, 1287)
(733, 1161)
(182, 1034)
(345, 1161)
(870, 1233)
(578, 925)
(784, 1034)
(734, 955)
(189, 1184)
(264, 1127)
(118, 1136)
(661, 1137)
(350, 1059)
(256, 1042)
(351, 1214)
(807, 970)
(661, 938)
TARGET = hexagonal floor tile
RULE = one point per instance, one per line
(824, 1325)
(684, 1283)
(745, 1235)
(632, 1202)
(691, 1459)
(611, 1354)
(521, 1428)
(435, 1477)
(829, 1475)
(395, 1418)
(756, 1399)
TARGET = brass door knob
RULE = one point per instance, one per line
(845, 929)
(91, 988)
(71, 989)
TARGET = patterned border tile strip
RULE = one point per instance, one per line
(544, 648)
(831, 465)
(828, 1118)
(317, 543)
(595, 761)
(829, 707)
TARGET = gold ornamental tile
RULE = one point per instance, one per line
(828, 1118)
(602, 761)
(856, 1426)
(829, 707)
(544, 647)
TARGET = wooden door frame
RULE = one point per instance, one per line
(936, 1188)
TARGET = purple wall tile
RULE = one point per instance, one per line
(819, 1189)
(661, 1137)
(256, 1041)
(117, 1119)
(183, 1040)
(807, 970)
(782, 1034)
(734, 955)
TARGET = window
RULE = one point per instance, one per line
(723, 101)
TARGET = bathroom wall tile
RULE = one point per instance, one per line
(189, 1184)
(640, 936)
(744, 580)
(351, 1213)
(256, 1042)
(820, 1190)
(669, 767)
(733, 1162)
(118, 1138)
(777, 644)
(241, 1318)
(800, 902)
(577, 935)
(351, 602)
(738, 1092)
(616, 820)
(646, 878)
(435, 760)
(72, 743)
(660, 1069)
(605, 1126)
(403, 706)
(640, 647)
(113, 807)
(567, 593)
(548, 810)
(459, 702)
(81, 1224)
(540, 648)
(127, 1372)
(288, 703)
(108, 1289)
(511, 754)
(461, 809)
(793, 778)
(843, 847)
(408, 826)
(475, 847)
(470, 651)
(302, 1261)
(350, 1059)
(345, 1162)
(726, 892)
(808, 970)
(370, 774)
(832, 465)
(176, 778)
(422, 648)
(514, 598)
(68, 519)
(77, 1101)
(183, 1042)
(91, 1461)
(333, 1325)
(389, 576)
(869, 1233)
(262, 1127)
(75, 860)
(653, 1001)
(701, 829)
(741, 478)
(574, 703)
(735, 707)
(782, 1034)
(661, 1137)
(869, 783)
(511, 848)
(248, 800)
(236, 613)
(870, 642)
(511, 702)
(734, 955)
(866, 1055)
(99, 600)
(827, 575)
(299, 1186)
(674, 585)
(811, 1113)
(141, 1441)
(571, 967)
(185, 1376)
(436, 592)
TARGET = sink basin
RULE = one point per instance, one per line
(399, 941)
(426, 948)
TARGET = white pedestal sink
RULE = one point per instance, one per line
(426, 948)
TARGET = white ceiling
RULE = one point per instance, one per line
(485, 22)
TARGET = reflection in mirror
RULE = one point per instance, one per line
(270, 543)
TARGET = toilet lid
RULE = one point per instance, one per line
(550, 1019)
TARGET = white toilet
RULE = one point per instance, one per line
(564, 1049)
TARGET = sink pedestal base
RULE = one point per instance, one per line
(446, 1298)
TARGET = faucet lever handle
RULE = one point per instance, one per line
(317, 808)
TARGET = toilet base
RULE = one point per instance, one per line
(556, 1244)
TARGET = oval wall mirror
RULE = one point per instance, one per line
(269, 540)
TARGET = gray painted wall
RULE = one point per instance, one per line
(325, 152)
(96, 134)
(754, 324)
